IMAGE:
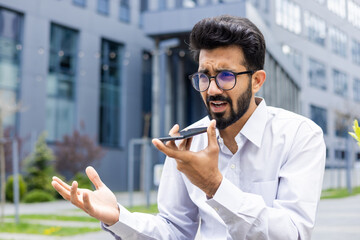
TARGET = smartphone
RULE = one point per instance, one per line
(186, 133)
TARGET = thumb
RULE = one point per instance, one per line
(94, 177)
(211, 132)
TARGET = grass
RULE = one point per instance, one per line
(339, 193)
(152, 209)
(56, 217)
(28, 228)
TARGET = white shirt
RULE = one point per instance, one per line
(270, 188)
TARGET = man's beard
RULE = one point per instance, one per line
(243, 103)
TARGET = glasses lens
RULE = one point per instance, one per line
(200, 81)
(226, 80)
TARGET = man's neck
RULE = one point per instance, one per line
(228, 134)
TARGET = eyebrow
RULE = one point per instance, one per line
(206, 71)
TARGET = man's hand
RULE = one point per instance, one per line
(100, 204)
(201, 168)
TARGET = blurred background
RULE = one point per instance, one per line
(96, 79)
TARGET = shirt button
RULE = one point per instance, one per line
(232, 166)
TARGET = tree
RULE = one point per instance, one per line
(356, 133)
(39, 167)
(75, 153)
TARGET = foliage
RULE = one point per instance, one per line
(39, 167)
(38, 195)
(75, 153)
(10, 189)
(356, 133)
(83, 181)
(339, 193)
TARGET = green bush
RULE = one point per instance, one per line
(39, 167)
(38, 195)
(83, 181)
(9, 189)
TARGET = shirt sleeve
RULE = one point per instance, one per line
(292, 214)
(178, 215)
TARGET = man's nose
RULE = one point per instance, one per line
(213, 88)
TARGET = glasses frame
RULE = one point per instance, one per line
(216, 80)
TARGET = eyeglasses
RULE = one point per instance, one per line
(225, 80)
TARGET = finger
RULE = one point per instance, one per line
(74, 199)
(61, 182)
(94, 177)
(188, 143)
(87, 204)
(211, 132)
(61, 190)
(173, 153)
(174, 129)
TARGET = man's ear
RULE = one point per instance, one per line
(258, 79)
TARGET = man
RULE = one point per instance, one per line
(256, 174)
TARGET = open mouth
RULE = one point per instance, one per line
(218, 106)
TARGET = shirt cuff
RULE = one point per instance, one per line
(120, 229)
(229, 200)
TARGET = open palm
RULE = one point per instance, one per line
(100, 204)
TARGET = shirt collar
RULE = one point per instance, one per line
(255, 125)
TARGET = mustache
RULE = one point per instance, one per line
(218, 98)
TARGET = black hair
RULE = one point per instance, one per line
(227, 30)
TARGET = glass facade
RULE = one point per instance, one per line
(81, 3)
(319, 116)
(317, 74)
(340, 83)
(124, 11)
(356, 89)
(341, 125)
(10, 60)
(110, 93)
(354, 13)
(61, 82)
(355, 51)
(294, 56)
(315, 28)
(288, 15)
(338, 7)
(103, 7)
(338, 41)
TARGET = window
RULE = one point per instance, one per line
(80, 3)
(315, 28)
(340, 154)
(60, 103)
(356, 89)
(10, 53)
(354, 13)
(103, 7)
(341, 125)
(319, 116)
(322, 2)
(340, 83)
(337, 7)
(143, 7)
(110, 89)
(338, 41)
(288, 15)
(355, 51)
(124, 11)
(162, 4)
(294, 56)
(317, 74)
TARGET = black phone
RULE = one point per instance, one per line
(186, 133)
